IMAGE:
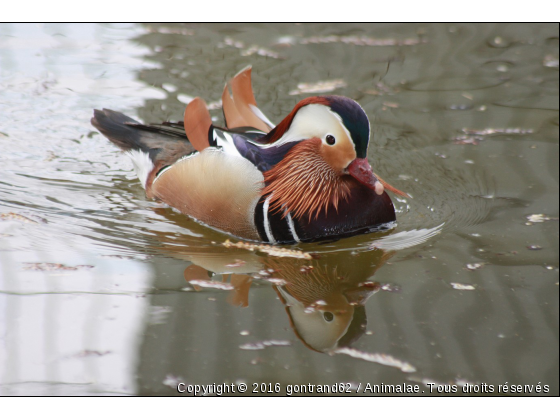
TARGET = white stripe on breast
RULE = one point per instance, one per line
(266, 222)
(292, 227)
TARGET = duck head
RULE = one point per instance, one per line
(331, 134)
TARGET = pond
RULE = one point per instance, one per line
(106, 292)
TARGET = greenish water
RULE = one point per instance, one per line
(464, 290)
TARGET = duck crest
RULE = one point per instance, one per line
(277, 132)
(295, 189)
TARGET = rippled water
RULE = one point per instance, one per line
(104, 291)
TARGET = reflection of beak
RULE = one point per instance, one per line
(359, 295)
(361, 170)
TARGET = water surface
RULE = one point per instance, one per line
(105, 292)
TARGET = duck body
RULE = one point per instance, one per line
(306, 179)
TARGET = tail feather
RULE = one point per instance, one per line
(164, 143)
(151, 147)
(114, 126)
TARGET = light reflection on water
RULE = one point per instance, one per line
(136, 321)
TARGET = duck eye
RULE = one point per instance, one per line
(328, 315)
(330, 139)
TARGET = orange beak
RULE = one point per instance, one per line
(361, 170)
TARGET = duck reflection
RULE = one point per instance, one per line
(326, 309)
(324, 297)
(196, 335)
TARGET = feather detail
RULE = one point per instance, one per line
(198, 123)
(151, 147)
(240, 109)
(215, 188)
(303, 183)
(231, 115)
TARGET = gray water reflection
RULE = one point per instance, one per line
(465, 119)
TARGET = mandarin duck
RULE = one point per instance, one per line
(306, 179)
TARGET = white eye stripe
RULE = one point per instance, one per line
(339, 118)
(313, 120)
